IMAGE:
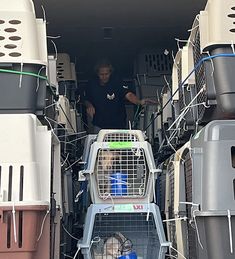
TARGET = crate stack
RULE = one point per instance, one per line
(28, 148)
(123, 222)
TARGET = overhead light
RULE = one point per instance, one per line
(107, 33)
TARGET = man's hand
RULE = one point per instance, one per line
(147, 101)
(90, 110)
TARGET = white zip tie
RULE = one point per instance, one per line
(232, 46)
(14, 221)
(21, 74)
(44, 13)
(73, 164)
(69, 233)
(42, 226)
(230, 231)
(65, 160)
(171, 247)
(175, 219)
(77, 252)
(197, 231)
(187, 107)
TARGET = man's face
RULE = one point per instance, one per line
(104, 74)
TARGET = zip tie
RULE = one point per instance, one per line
(232, 46)
(175, 219)
(14, 221)
(42, 226)
(44, 13)
(197, 231)
(94, 241)
(148, 212)
(171, 247)
(21, 76)
(171, 256)
(65, 160)
(77, 252)
(73, 164)
(38, 84)
(69, 232)
(230, 232)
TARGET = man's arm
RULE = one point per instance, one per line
(134, 99)
(89, 108)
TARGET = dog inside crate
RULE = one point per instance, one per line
(121, 172)
(113, 246)
(118, 235)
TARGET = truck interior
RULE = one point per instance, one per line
(163, 187)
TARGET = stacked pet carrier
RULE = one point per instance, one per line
(122, 222)
(200, 208)
(200, 194)
(26, 145)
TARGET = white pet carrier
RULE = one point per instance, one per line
(175, 211)
(116, 231)
(217, 24)
(22, 36)
(25, 186)
(121, 169)
(183, 88)
(64, 71)
(64, 116)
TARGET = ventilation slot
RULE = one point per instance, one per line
(15, 54)
(0, 178)
(120, 137)
(20, 229)
(15, 22)
(10, 46)
(9, 230)
(21, 183)
(10, 184)
(232, 15)
(10, 30)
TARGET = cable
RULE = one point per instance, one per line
(22, 73)
(69, 232)
(183, 82)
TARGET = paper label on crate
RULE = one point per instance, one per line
(124, 208)
(117, 145)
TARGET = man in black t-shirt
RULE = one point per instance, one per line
(105, 99)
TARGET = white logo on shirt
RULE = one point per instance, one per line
(125, 86)
(110, 97)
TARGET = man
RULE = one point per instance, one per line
(105, 99)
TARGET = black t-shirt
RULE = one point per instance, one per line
(108, 101)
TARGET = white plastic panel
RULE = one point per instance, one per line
(22, 36)
(217, 23)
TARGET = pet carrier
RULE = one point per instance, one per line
(184, 90)
(64, 116)
(25, 186)
(176, 219)
(116, 231)
(205, 179)
(214, 58)
(23, 58)
(66, 76)
(121, 169)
